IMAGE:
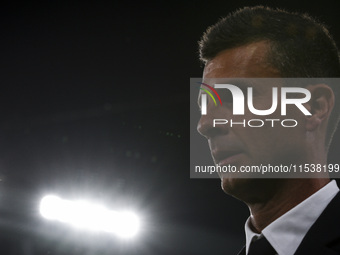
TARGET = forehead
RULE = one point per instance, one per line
(247, 61)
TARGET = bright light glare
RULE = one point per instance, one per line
(89, 216)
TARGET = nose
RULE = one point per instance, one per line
(205, 125)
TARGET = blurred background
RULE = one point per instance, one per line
(95, 105)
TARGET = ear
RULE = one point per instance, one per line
(320, 105)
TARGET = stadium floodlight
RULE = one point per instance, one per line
(89, 216)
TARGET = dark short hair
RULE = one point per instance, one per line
(299, 45)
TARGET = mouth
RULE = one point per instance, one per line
(223, 158)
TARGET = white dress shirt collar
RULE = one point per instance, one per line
(286, 233)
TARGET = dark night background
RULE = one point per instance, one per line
(95, 104)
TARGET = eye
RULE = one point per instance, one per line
(226, 96)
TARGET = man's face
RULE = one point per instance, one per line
(247, 146)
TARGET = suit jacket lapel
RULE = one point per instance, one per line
(243, 251)
(324, 236)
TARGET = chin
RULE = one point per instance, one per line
(248, 190)
(236, 187)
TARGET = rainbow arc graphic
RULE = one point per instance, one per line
(209, 93)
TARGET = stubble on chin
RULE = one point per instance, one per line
(249, 190)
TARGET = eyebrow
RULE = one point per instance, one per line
(241, 83)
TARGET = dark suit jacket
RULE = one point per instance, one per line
(323, 238)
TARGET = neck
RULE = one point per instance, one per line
(289, 193)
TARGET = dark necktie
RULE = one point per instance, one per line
(261, 247)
